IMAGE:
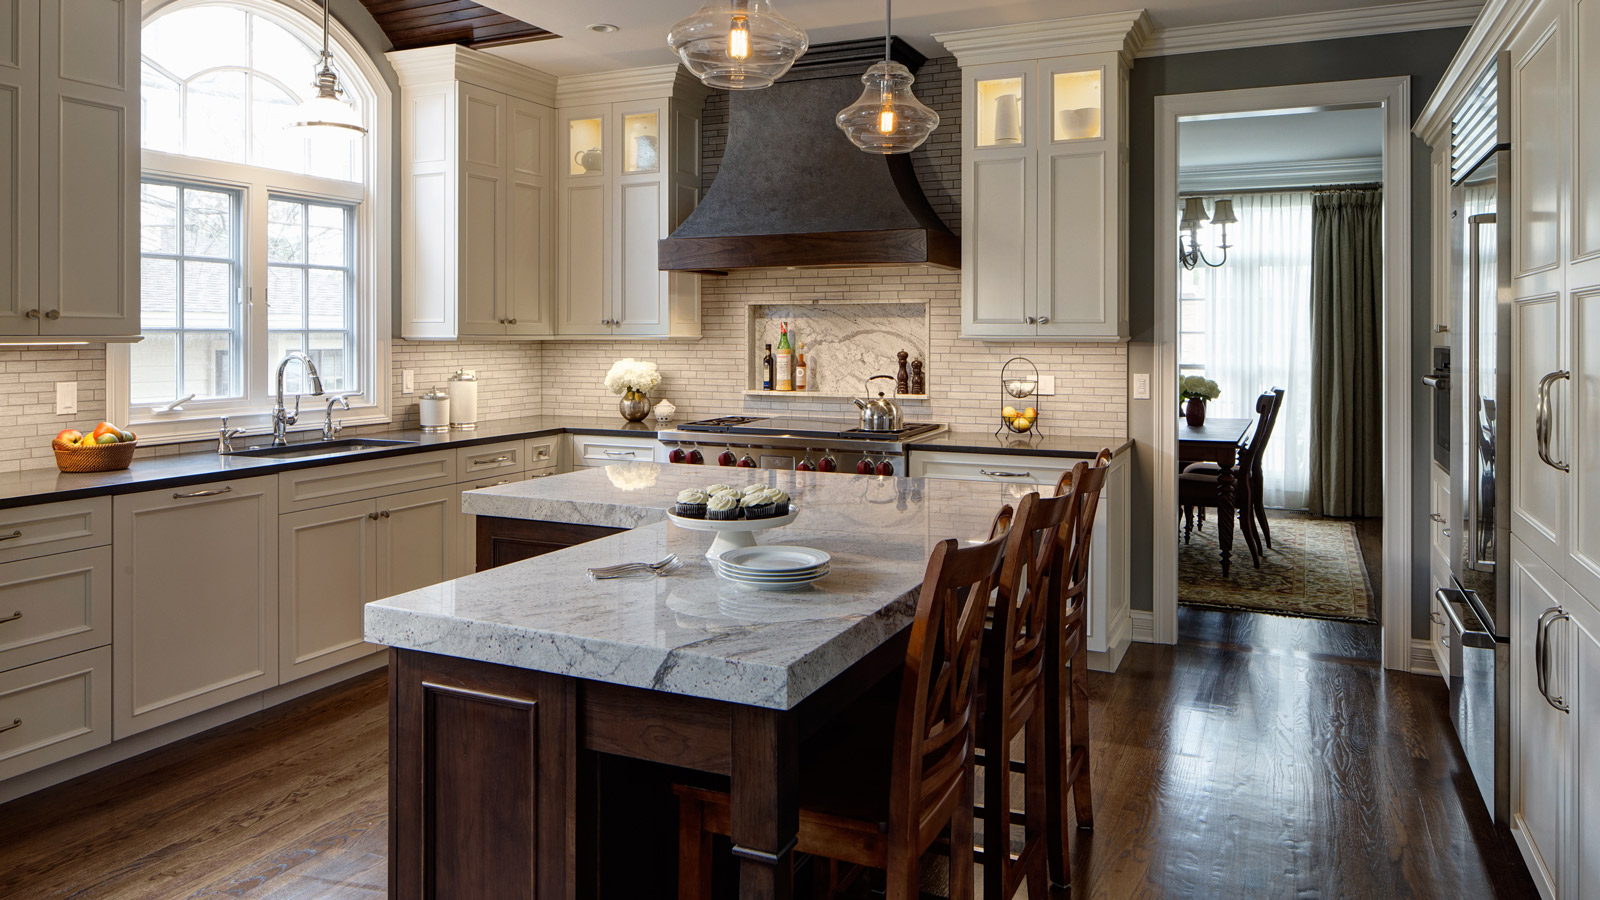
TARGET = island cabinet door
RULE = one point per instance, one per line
(483, 774)
(505, 541)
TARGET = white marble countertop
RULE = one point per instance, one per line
(692, 632)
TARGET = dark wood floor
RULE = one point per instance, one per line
(1253, 761)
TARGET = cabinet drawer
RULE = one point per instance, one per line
(1439, 517)
(327, 485)
(990, 467)
(55, 709)
(29, 531)
(477, 462)
(603, 450)
(543, 452)
(54, 605)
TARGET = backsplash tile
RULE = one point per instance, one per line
(509, 376)
(28, 419)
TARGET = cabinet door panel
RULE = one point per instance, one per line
(641, 288)
(996, 254)
(60, 708)
(530, 209)
(1539, 731)
(1072, 255)
(195, 600)
(56, 605)
(1585, 703)
(1539, 109)
(328, 571)
(1578, 408)
(416, 540)
(1586, 160)
(19, 197)
(483, 211)
(584, 298)
(1537, 490)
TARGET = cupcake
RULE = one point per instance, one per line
(780, 500)
(722, 507)
(719, 488)
(692, 504)
(753, 489)
(759, 504)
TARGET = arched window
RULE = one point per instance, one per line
(256, 239)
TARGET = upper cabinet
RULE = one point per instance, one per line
(630, 173)
(531, 209)
(69, 169)
(478, 205)
(1044, 177)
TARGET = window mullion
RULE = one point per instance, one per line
(255, 334)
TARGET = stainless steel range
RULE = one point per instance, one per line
(820, 445)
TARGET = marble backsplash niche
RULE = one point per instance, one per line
(845, 343)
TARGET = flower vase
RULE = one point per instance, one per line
(634, 405)
(1195, 412)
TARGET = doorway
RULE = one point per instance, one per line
(1307, 531)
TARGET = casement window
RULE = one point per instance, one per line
(256, 240)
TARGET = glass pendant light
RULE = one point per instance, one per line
(740, 45)
(887, 118)
(326, 114)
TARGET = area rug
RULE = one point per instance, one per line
(1313, 569)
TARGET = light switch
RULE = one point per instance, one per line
(66, 398)
(408, 381)
(1047, 385)
(1141, 386)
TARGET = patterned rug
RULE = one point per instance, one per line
(1313, 569)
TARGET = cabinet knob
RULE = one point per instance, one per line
(373, 516)
(511, 321)
(32, 314)
(1044, 320)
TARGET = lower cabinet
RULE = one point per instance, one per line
(336, 559)
(505, 541)
(1555, 791)
(54, 709)
(194, 599)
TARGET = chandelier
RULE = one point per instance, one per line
(1194, 216)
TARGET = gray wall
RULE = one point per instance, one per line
(1423, 56)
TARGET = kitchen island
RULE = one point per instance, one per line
(506, 683)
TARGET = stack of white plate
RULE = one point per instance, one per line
(773, 568)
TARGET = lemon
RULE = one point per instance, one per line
(1009, 412)
(1021, 424)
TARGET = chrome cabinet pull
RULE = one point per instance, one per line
(12, 536)
(1436, 517)
(1005, 474)
(541, 475)
(1544, 415)
(1541, 644)
(1433, 616)
(629, 454)
(12, 618)
(15, 723)
(485, 462)
(193, 494)
(479, 487)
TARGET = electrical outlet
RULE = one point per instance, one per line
(1141, 386)
(66, 398)
(408, 381)
(1047, 385)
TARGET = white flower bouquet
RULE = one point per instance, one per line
(631, 374)
(1198, 387)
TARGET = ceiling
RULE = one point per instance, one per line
(1294, 136)
(643, 24)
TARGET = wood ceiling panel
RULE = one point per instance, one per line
(410, 24)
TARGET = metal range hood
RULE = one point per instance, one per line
(793, 192)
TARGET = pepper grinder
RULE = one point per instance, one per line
(919, 382)
(902, 379)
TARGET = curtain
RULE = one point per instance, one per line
(1257, 328)
(1347, 353)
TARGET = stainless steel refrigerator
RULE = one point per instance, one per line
(1478, 602)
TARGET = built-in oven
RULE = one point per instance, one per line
(1439, 380)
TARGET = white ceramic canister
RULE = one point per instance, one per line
(434, 408)
(463, 400)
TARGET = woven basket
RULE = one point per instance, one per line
(99, 458)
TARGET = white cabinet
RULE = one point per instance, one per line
(195, 599)
(69, 169)
(478, 205)
(54, 605)
(1044, 165)
(589, 450)
(1108, 621)
(54, 709)
(630, 173)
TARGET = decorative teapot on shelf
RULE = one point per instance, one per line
(591, 159)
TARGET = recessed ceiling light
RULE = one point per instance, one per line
(603, 28)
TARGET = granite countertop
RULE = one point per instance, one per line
(1022, 445)
(692, 632)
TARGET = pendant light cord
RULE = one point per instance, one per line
(888, 27)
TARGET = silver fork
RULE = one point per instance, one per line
(672, 566)
(632, 567)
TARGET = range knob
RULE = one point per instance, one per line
(747, 462)
(865, 467)
(695, 456)
(827, 463)
(677, 455)
(726, 458)
(885, 467)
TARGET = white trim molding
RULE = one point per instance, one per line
(1269, 175)
(1320, 26)
(1423, 660)
(1115, 32)
(452, 62)
(1393, 95)
(1144, 625)
(1493, 30)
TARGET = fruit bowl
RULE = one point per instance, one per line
(98, 458)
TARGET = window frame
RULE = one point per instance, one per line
(372, 198)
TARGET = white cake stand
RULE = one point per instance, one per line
(733, 533)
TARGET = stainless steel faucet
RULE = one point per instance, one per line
(330, 428)
(281, 418)
(225, 436)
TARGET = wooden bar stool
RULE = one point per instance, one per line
(881, 784)
(1067, 667)
(1012, 699)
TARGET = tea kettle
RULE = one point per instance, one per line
(882, 414)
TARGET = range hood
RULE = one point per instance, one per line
(793, 192)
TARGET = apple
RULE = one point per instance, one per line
(126, 436)
(69, 436)
(104, 428)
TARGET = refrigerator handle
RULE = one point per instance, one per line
(1543, 419)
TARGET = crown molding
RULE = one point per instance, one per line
(452, 62)
(1297, 29)
(1489, 35)
(1286, 175)
(1123, 33)
(624, 85)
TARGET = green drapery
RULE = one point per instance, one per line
(1347, 353)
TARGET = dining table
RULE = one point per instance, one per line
(509, 687)
(1218, 441)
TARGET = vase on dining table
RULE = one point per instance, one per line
(1195, 412)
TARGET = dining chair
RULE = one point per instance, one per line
(881, 783)
(1197, 486)
(1011, 699)
(1067, 667)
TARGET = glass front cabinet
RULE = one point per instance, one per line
(1045, 179)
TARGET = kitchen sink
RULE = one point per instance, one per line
(305, 449)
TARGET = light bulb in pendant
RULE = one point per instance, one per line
(887, 118)
(739, 38)
(886, 115)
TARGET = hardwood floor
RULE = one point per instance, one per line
(1231, 767)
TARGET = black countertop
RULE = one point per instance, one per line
(1021, 445)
